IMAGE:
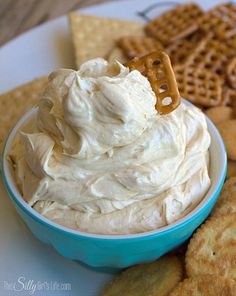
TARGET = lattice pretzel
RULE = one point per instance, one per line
(211, 54)
(182, 48)
(157, 68)
(175, 24)
(137, 46)
(200, 87)
(221, 19)
(231, 73)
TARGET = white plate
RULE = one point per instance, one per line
(25, 263)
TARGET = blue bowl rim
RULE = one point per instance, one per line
(137, 236)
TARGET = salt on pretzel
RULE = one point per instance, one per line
(157, 68)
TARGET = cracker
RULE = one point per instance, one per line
(221, 19)
(137, 46)
(207, 285)
(227, 130)
(211, 55)
(116, 54)
(226, 203)
(200, 87)
(229, 186)
(175, 24)
(16, 102)
(231, 72)
(212, 248)
(182, 48)
(152, 279)
(231, 168)
(220, 113)
(94, 36)
(231, 42)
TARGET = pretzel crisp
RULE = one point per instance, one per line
(182, 48)
(231, 73)
(175, 24)
(200, 87)
(221, 20)
(137, 46)
(231, 42)
(157, 68)
(211, 54)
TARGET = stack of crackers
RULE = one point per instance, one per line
(202, 47)
(206, 268)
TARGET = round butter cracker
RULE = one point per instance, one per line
(212, 249)
(207, 285)
(226, 203)
(153, 279)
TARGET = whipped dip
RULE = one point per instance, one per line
(99, 158)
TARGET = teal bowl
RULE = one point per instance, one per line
(116, 251)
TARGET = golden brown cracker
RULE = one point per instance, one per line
(227, 130)
(175, 24)
(95, 36)
(221, 19)
(207, 285)
(231, 72)
(231, 42)
(226, 203)
(16, 102)
(156, 278)
(212, 249)
(229, 186)
(200, 87)
(211, 55)
(182, 48)
(137, 46)
(220, 113)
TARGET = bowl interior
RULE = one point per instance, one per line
(218, 164)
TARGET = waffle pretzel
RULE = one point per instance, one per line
(211, 55)
(137, 46)
(221, 20)
(175, 24)
(231, 72)
(157, 68)
(182, 48)
(231, 42)
(201, 87)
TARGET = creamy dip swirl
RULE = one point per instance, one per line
(100, 158)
